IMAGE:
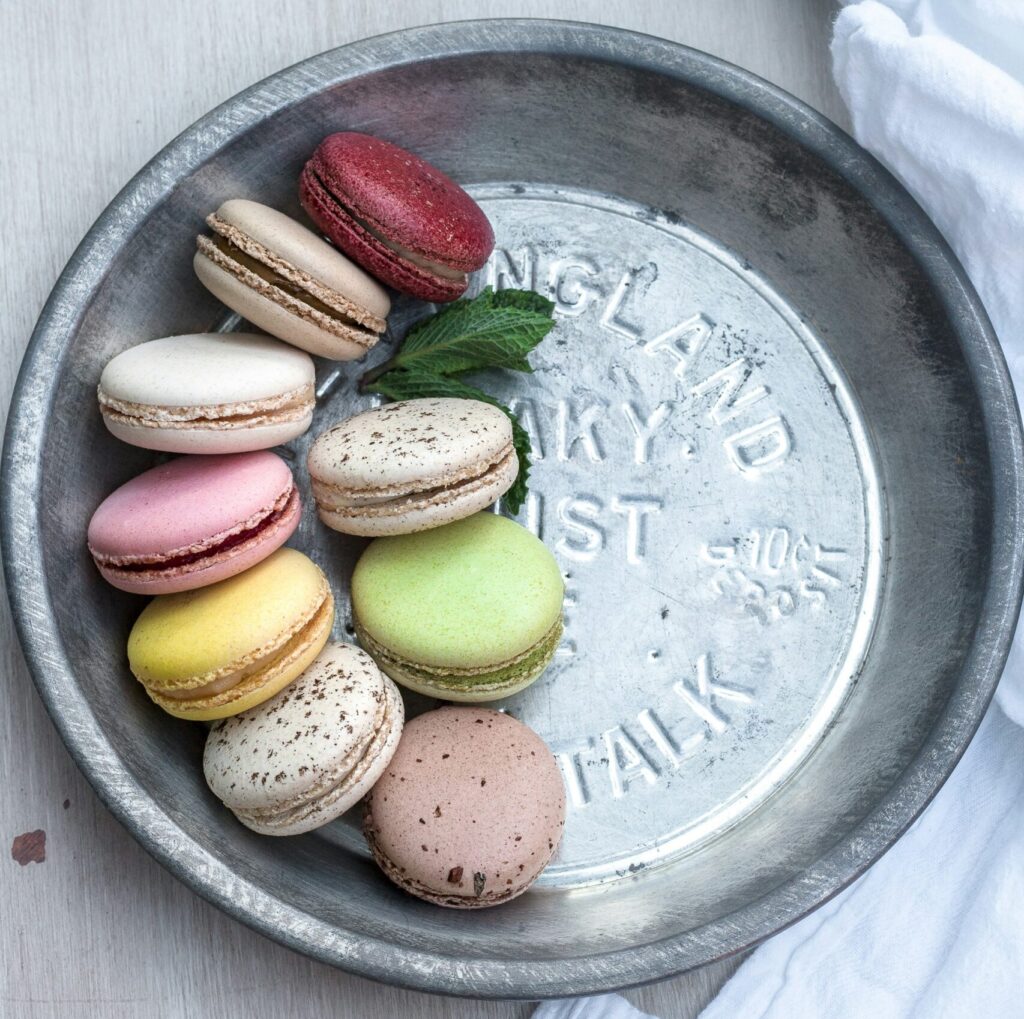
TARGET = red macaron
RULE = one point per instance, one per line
(400, 218)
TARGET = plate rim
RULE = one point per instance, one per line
(424, 970)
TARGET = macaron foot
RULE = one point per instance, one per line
(467, 686)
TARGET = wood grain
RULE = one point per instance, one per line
(91, 91)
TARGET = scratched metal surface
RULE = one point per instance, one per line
(778, 459)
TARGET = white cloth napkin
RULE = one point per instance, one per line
(604, 1006)
(935, 89)
(935, 929)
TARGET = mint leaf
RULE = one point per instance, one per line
(515, 497)
(521, 366)
(414, 384)
(528, 300)
(491, 330)
(488, 331)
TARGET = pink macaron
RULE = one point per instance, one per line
(400, 218)
(469, 810)
(193, 521)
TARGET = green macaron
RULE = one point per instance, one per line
(471, 611)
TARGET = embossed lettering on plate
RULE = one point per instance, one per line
(703, 478)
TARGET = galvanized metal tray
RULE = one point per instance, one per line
(778, 457)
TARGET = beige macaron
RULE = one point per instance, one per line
(304, 757)
(282, 277)
(411, 466)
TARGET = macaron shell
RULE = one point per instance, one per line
(206, 369)
(469, 811)
(416, 464)
(219, 568)
(303, 332)
(196, 633)
(261, 685)
(410, 445)
(184, 502)
(304, 250)
(291, 747)
(369, 251)
(336, 801)
(405, 198)
(470, 595)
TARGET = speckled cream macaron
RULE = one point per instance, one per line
(284, 278)
(469, 811)
(208, 393)
(222, 649)
(467, 612)
(304, 757)
(413, 465)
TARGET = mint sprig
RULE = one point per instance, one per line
(495, 329)
(491, 330)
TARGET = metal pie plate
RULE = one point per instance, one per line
(776, 455)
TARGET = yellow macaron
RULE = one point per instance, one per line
(219, 650)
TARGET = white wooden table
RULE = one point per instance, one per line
(92, 89)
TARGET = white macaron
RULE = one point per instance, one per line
(208, 393)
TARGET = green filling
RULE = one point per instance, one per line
(507, 675)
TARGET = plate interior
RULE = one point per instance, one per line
(703, 476)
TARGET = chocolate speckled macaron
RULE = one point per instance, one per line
(470, 809)
(411, 466)
(304, 757)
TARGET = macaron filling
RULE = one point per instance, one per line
(437, 268)
(259, 268)
(196, 557)
(396, 499)
(293, 405)
(227, 684)
(338, 784)
(492, 678)
(421, 261)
